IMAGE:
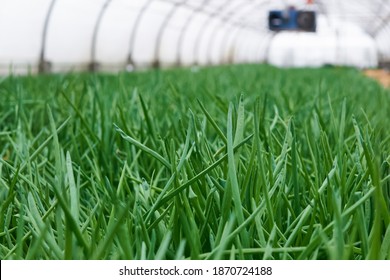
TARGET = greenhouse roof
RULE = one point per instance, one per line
(63, 35)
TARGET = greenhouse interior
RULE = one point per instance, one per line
(195, 130)
(111, 35)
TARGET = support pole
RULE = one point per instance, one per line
(94, 65)
(44, 66)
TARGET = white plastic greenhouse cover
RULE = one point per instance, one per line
(111, 35)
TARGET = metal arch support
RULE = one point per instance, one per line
(384, 26)
(263, 43)
(384, 22)
(371, 30)
(94, 65)
(130, 60)
(384, 57)
(212, 39)
(231, 31)
(156, 61)
(232, 37)
(211, 43)
(237, 29)
(268, 47)
(270, 36)
(237, 32)
(237, 35)
(254, 45)
(184, 29)
(43, 65)
(256, 48)
(200, 33)
(226, 21)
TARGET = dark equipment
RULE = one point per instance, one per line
(292, 19)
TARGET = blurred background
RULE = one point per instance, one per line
(39, 36)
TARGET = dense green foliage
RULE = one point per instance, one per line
(231, 162)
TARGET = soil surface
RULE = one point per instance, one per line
(382, 76)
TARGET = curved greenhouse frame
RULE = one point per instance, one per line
(111, 35)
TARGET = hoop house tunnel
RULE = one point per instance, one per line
(113, 35)
(194, 130)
